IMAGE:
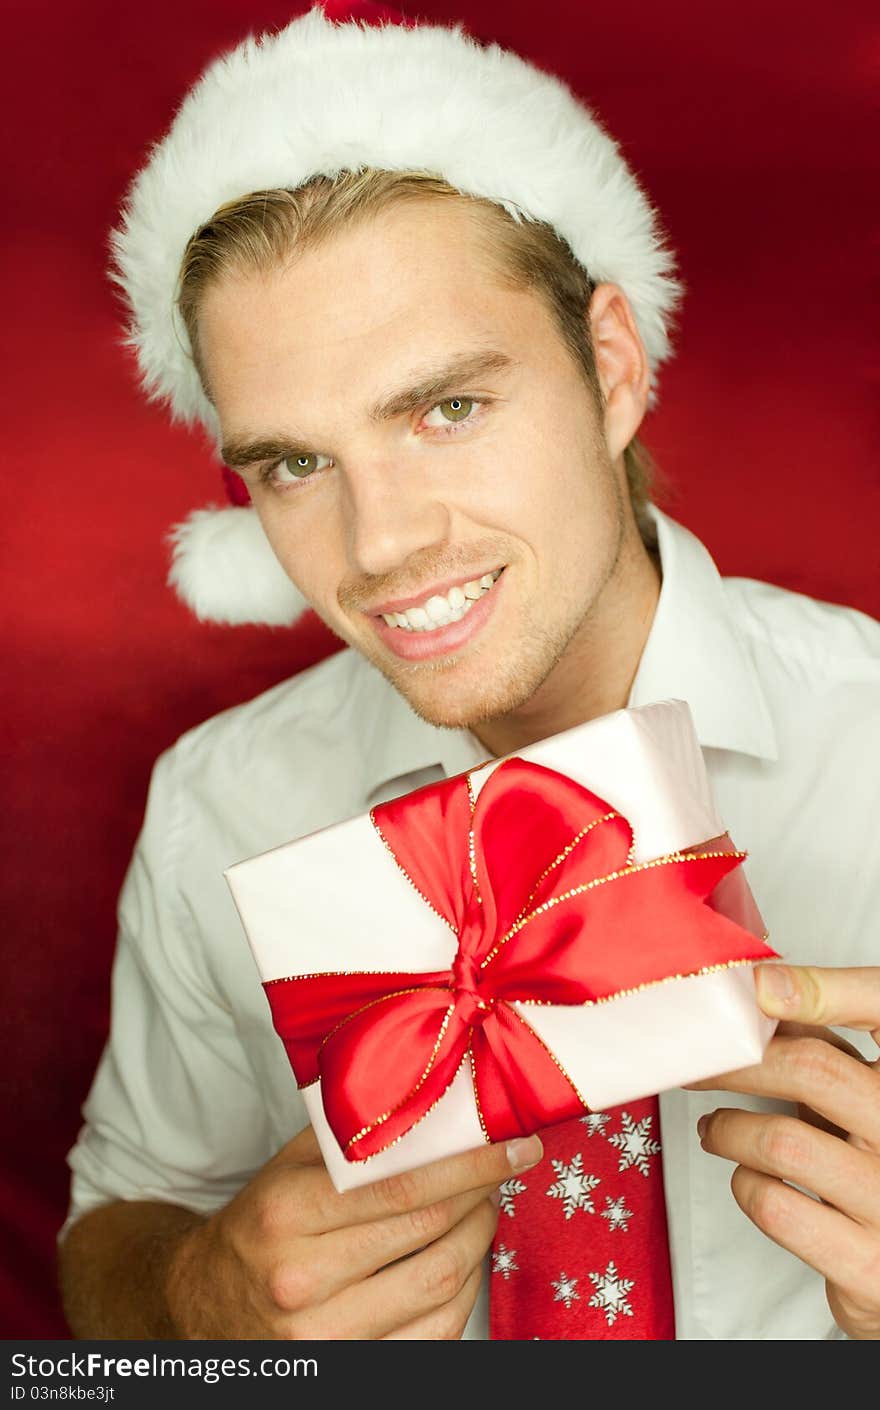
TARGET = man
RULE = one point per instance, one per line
(433, 401)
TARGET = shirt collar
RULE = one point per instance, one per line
(693, 653)
(398, 742)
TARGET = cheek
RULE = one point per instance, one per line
(307, 540)
(551, 488)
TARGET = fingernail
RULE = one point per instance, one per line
(776, 987)
(701, 1126)
(524, 1152)
(495, 1197)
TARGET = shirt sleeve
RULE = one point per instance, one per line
(174, 1112)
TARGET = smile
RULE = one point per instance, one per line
(440, 611)
(443, 624)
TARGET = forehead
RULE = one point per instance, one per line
(413, 282)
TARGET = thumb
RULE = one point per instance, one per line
(846, 998)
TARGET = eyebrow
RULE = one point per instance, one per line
(464, 368)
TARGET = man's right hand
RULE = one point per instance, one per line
(291, 1259)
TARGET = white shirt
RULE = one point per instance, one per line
(194, 1092)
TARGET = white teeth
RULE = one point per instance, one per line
(437, 609)
(441, 611)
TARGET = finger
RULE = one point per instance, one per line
(411, 1289)
(320, 1208)
(843, 1089)
(789, 1149)
(849, 997)
(811, 1030)
(821, 1236)
(344, 1257)
(812, 1118)
(798, 1030)
(787, 1029)
(446, 1323)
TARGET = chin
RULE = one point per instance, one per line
(454, 694)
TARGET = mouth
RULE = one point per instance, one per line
(439, 611)
(441, 624)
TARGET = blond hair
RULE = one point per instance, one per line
(259, 232)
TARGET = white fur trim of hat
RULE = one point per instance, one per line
(393, 97)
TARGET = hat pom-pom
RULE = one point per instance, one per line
(223, 568)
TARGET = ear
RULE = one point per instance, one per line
(621, 363)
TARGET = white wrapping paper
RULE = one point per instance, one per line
(646, 763)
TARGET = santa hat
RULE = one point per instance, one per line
(396, 96)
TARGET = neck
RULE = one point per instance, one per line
(596, 673)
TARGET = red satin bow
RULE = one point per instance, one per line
(536, 878)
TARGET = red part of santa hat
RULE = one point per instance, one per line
(396, 95)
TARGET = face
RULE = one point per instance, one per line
(426, 458)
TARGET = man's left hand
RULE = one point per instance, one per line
(832, 1147)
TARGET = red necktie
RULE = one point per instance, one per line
(581, 1252)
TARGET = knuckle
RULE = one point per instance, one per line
(784, 1144)
(769, 1206)
(369, 1242)
(444, 1273)
(448, 1322)
(817, 1064)
(396, 1194)
(430, 1220)
(291, 1287)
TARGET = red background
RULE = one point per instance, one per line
(749, 125)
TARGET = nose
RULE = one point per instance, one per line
(391, 514)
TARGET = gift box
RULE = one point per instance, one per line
(557, 931)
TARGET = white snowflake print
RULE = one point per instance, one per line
(617, 1213)
(595, 1123)
(634, 1143)
(573, 1186)
(508, 1193)
(566, 1290)
(611, 1293)
(504, 1261)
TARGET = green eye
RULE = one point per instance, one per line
(307, 465)
(456, 409)
(301, 465)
